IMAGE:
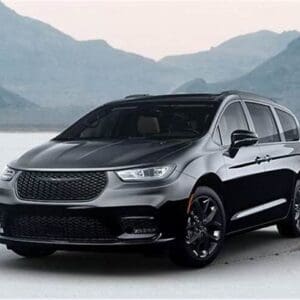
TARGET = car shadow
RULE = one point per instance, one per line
(237, 249)
(254, 245)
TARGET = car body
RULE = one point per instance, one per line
(79, 192)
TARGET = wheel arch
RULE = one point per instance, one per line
(214, 182)
(296, 179)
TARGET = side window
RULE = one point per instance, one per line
(289, 125)
(264, 123)
(232, 119)
(217, 136)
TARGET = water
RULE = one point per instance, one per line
(14, 144)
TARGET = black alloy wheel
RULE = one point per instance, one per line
(204, 230)
(290, 227)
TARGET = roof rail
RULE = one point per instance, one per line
(254, 95)
(136, 96)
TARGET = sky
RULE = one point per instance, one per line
(159, 28)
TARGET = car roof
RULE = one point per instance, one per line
(213, 98)
(194, 97)
(179, 97)
(132, 99)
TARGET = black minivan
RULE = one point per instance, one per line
(180, 170)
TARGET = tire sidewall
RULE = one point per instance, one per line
(180, 245)
(292, 210)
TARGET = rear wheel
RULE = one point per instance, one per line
(290, 227)
(204, 231)
(32, 252)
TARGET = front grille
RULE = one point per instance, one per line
(59, 228)
(60, 186)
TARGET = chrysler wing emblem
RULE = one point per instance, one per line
(60, 179)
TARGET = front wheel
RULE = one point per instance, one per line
(204, 231)
(290, 227)
(32, 252)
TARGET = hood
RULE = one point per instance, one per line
(98, 154)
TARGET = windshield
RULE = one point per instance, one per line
(151, 120)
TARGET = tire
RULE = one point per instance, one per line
(290, 227)
(32, 252)
(203, 236)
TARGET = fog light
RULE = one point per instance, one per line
(139, 225)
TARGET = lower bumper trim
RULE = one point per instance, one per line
(9, 240)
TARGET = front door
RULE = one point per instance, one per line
(244, 171)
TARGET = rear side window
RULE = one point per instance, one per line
(232, 119)
(289, 125)
(264, 123)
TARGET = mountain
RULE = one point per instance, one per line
(53, 69)
(39, 118)
(9, 100)
(18, 113)
(234, 57)
(278, 77)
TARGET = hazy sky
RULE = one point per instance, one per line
(158, 28)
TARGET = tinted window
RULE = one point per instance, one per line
(264, 123)
(290, 128)
(217, 136)
(144, 120)
(232, 119)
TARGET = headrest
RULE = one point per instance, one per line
(148, 125)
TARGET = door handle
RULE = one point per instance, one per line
(259, 159)
(268, 158)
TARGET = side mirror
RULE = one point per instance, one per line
(241, 138)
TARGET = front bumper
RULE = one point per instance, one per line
(123, 214)
(76, 227)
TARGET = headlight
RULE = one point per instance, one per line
(146, 174)
(7, 174)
